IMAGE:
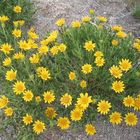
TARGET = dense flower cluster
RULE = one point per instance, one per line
(70, 76)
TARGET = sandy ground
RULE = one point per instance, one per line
(48, 11)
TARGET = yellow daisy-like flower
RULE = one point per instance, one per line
(17, 9)
(76, 24)
(131, 119)
(115, 118)
(32, 44)
(87, 68)
(19, 87)
(8, 111)
(137, 46)
(16, 33)
(137, 103)
(83, 84)
(115, 71)
(28, 96)
(53, 36)
(117, 28)
(27, 119)
(43, 49)
(50, 112)
(72, 76)
(6, 48)
(24, 45)
(38, 127)
(84, 100)
(63, 123)
(115, 42)
(3, 101)
(34, 59)
(125, 64)
(66, 100)
(7, 61)
(118, 86)
(128, 101)
(98, 54)
(38, 99)
(19, 23)
(99, 61)
(121, 34)
(19, 55)
(90, 129)
(102, 19)
(91, 11)
(54, 50)
(11, 75)
(49, 97)
(32, 34)
(60, 22)
(103, 107)
(86, 19)
(76, 115)
(89, 46)
(62, 47)
(3, 18)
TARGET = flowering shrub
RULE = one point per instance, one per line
(70, 77)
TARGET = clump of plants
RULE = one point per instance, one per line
(70, 77)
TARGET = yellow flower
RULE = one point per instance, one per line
(115, 71)
(3, 18)
(117, 28)
(84, 100)
(128, 101)
(76, 24)
(83, 84)
(32, 34)
(19, 55)
(137, 46)
(18, 23)
(11, 75)
(54, 50)
(115, 42)
(49, 97)
(17, 33)
(76, 115)
(8, 111)
(38, 99)
(32, 44)
(62, 47)
(3, 101)
(103, 107)
(72, 75)
(90, 129)
(118, 86)
(43, 73)
(131, 119)
(24, 45)
(38, 127)
(63, 123)
(137, 103)
(102, 19)
(19, 87)
(17, 9)
(60, 22)
(27, 119)
(87, 68)
(6, 48)
(66, 100)
(99, 61)
(125, 64)
(52, 37)
(89, 46)
(28, 95)
(115, 118)
(34, 59)
(121, 34)
(43, 49)
(98, 54)
(86, 19)
(50, 112)
(91, 11)
(7, 61)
